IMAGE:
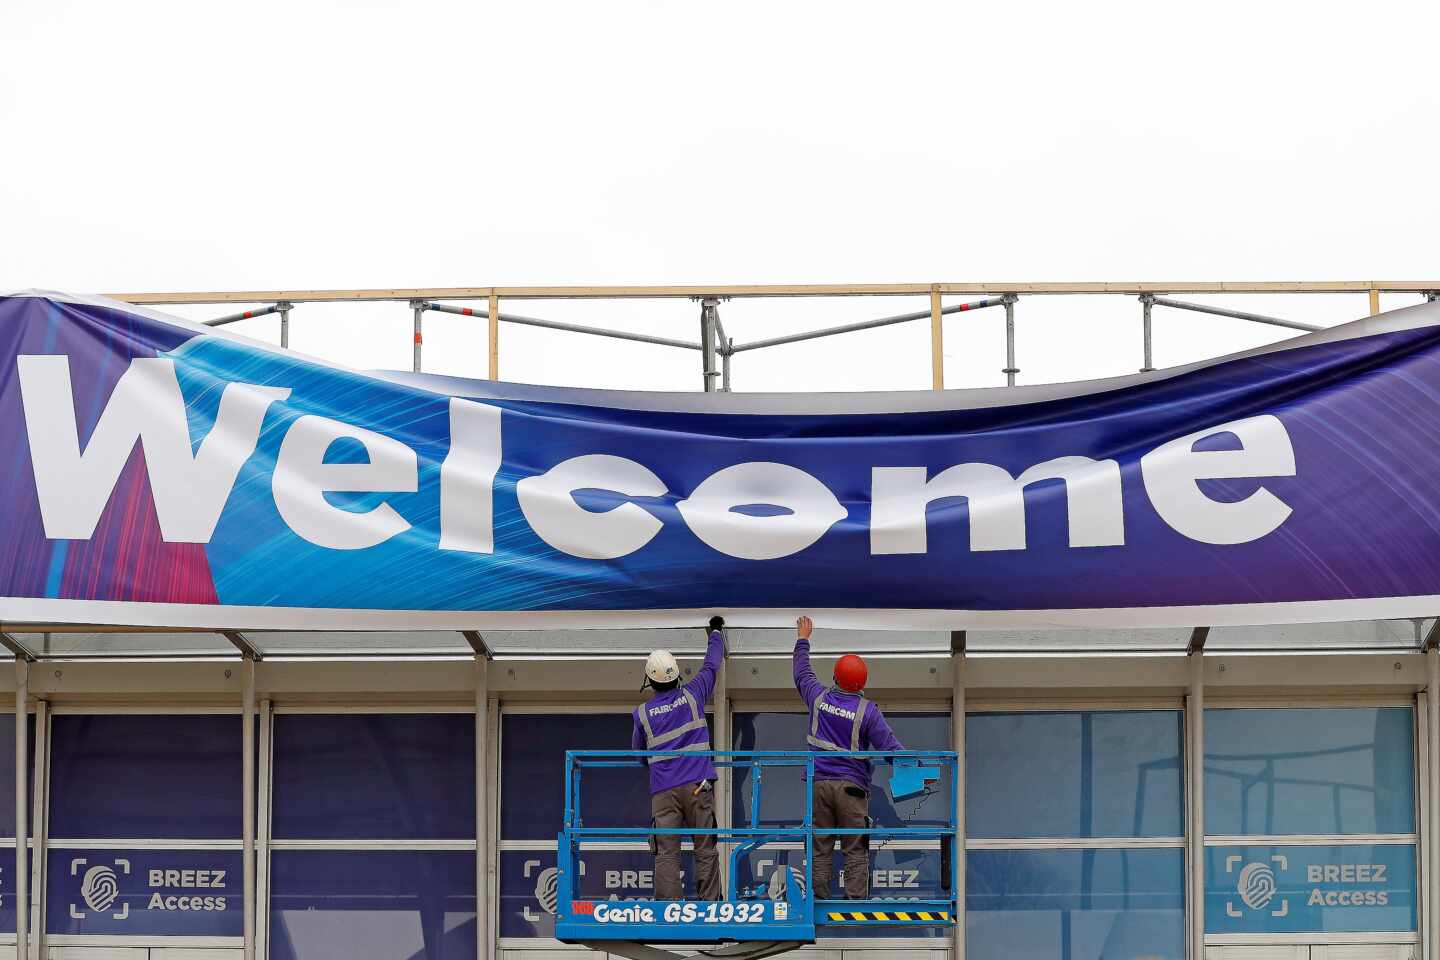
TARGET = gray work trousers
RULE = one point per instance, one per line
(677, 807)
(836, 805)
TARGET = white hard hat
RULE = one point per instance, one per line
(661, 667)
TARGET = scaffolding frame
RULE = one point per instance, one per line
(717, 349)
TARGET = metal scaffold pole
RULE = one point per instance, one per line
(419, 307)
(1148, 303)
(284, 324)
(709, 318)
(1010, 368)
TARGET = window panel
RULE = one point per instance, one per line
(1272, 772)
(783, 797)
(1074, 774)
(372, 905)
(118, 776)
(374, 776)
(7, 872)
(1075, 904)
(532, 774)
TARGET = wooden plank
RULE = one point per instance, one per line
(779, 290)
(1374, 301)
(494, 335)
(937, 341)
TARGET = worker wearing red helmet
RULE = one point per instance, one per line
(841, 719)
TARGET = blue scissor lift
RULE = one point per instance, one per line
(760, 920)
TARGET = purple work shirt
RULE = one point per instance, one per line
(672, 719)
(832, 718)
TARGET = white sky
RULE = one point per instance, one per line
(307, 144)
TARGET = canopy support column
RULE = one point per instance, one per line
(247, 803)
(1432, 718)
(39, 830)
(262, 835)
(484, 937)
(957, 743)
(22, 775)
(723, 741)
(1195, 795)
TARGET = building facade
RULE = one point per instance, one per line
(394, 775)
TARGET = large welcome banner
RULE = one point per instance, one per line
(158, 472)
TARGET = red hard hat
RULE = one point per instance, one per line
(851, 673)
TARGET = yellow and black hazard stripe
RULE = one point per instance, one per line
(889, 916)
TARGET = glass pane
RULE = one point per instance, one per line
(828, 642)
(7, 871)
(1345, 770)
(145, 776)
(157, 644)
(7, 783)
(1075, 904)
(1031, 641)
(1353, 888)
(1074, 774)
(783, 798)
(532, 774)
(609, 643)
(319, 644)
(375, 776)
(145, 892)
(372, 905)
(1353, 635)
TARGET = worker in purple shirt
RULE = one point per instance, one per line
(841, 719)
(682, 790)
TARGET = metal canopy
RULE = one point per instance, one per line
(1357, 636)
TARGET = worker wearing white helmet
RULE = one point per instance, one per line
(681, 787)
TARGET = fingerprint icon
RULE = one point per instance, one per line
(1256, 885)
(99, 888)
(547, 889)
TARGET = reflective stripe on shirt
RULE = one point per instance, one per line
(657, 742)
(818, 743)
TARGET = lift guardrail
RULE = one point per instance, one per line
(770, 917)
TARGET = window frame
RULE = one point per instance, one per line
(39, 871)
(266, 845)
(1420, 840)
(1101, 704)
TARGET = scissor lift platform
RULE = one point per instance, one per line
(757, 921)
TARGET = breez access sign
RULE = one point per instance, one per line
(145, 892)
(1310, 889)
